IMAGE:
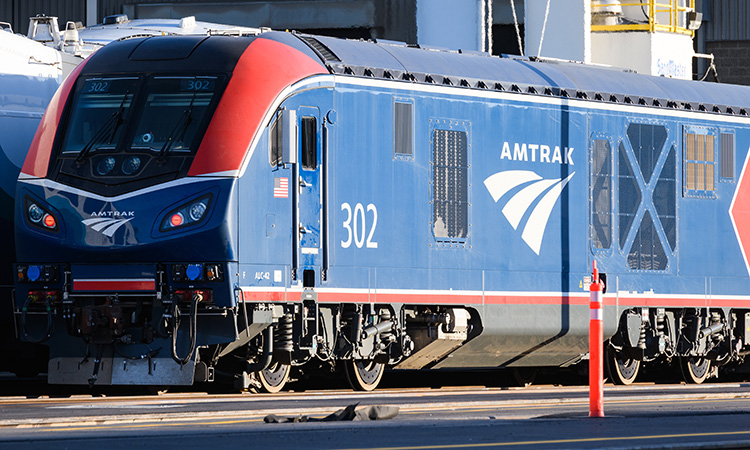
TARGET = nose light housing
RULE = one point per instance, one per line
(189, 214)
(39, 216)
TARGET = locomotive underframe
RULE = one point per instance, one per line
(121, 338)
(705, 336)
(126, 338)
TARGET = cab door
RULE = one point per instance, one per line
(309, 189)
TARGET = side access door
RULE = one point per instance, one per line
(310, 246)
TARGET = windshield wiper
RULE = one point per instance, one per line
(187, 116)
(106, 132)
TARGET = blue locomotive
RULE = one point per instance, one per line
(201, 206)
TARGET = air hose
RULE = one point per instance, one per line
(264, 361)
(193, 329)
(50, 321)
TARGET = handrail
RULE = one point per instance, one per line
(675, 10)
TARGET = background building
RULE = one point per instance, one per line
(726, 34)
(484, 25)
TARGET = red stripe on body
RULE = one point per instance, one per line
(114, 285)
(262, 72)
(683, 302)
(536, 300)
(253, 296)
(428, 298)
(490, 299)
(344, 297)
(40, 151)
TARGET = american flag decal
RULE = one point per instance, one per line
(281, 187)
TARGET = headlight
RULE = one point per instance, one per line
(131, 165)
(197, 210)
(192, 213)
(35, 213)
(40, 217)
(105, 165)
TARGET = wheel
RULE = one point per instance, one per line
(363, 375)
(274, 378)
(524, 376)
(622, 369)
(695, 370)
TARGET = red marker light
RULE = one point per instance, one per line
(49, 221)
(176, 220)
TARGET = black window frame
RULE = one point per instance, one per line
(275, 141)
(308, 141)
(403, 128)
(599, 178)
(727, 156)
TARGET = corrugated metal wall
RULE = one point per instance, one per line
(370, 15)
(17, 12)
(726, 20)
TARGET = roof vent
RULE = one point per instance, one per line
(187, 22)
(318, 46)
(116, 19)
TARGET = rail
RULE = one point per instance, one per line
(670, 16)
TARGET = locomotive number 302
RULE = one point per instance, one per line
(356, 224)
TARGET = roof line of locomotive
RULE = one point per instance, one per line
(336, 54)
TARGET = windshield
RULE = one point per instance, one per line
(173, 113)
(127, 132)
(102, 106)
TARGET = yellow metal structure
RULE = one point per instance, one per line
(676, 10)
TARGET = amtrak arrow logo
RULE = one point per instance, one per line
(739, 212)
(515, 209)
(105, 225)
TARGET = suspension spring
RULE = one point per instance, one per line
(642, 337)
(385, 316)
(284, 338)
(660, 316)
